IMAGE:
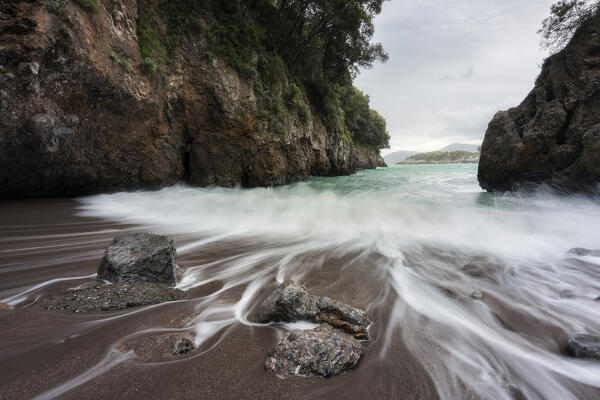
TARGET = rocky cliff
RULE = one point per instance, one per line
(553, 136)
(79, 114)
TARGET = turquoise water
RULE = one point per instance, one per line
(428, 238)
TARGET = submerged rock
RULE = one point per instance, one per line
(580, 251)
(323, 351)
(291, 302)
(139, 257)
(183, 345)
(584, 346)
(103, 297)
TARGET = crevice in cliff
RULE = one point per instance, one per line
(186, 161)
(561, 138)
(245, 180)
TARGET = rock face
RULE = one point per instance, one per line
(291, 302)
(584, 346)
(553, 136)
(102, 297)
(79, 115)
(321, 351)
(139, 257)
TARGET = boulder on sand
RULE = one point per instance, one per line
(291, 302)
(323, 351)
(139, 257)
(584, 346)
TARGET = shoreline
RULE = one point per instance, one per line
(44, 349)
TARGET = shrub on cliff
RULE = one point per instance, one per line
(565, 17)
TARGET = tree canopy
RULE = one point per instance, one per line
(565, 17)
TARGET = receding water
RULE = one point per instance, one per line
(411, 244)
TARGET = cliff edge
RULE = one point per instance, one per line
(83, 110)
(553, 136)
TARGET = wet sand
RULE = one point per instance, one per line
(41, 350)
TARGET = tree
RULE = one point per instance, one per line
(566, 16)
(331, 35)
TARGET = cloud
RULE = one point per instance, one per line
(468, 74)
(452, 65)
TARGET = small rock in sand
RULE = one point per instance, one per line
(161, 347)
(583, 346)
(322, 351)
(183, 346)
(477, 295)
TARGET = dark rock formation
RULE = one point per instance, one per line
(553, 136)
(139, 257)
(291, 302)
(79, 115)
(321, 351)
(584, 346)
(580, 251)
(103, 297)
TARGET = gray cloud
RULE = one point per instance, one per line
(452, 65)
(468, 74)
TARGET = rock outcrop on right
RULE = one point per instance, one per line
(553, 136)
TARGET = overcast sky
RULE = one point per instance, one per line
(453, 64)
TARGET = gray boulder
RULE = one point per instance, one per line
(139, 257)
(322, 351)
(584, 346)
(291, 302)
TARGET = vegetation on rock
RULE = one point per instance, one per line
(566, 16)
(311, 48)
(442, 157)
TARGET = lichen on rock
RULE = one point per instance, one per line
(323, 351)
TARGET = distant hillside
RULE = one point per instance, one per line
(442, 157)
(398, 156)
(461, 146)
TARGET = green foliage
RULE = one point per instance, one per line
(273, 113)
(88, 5)
(566, 16)
(54, 6)
(295, 101)
(123, 62)
(365, 125)
(441, 156)
(150, 64)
